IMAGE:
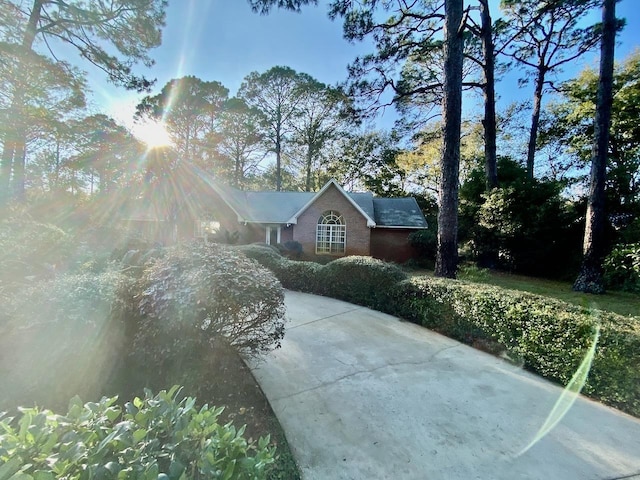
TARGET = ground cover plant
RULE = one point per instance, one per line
(163, 436)
(543, 334)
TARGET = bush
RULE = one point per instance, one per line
(549, 336)
(362, 280)
(61, 335)
(301, 276)
(158, 437)
(31, 250)
(622, 268)
(198, 295)
(525, 226)
(426, 242)
(264, 254)
(290, 249)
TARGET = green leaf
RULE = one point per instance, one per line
(21, 476)
(228, 472)
(139, 435)
(43, 476)
(8, 469)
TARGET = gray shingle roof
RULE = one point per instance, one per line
(280, 207)
(396, 212)
(275, 207)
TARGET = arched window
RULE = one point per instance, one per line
(331, 234)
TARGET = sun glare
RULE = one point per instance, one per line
(153, 134)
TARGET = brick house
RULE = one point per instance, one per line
(327, 223)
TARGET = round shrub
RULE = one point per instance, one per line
(362, 280)
(159, 437)
(197, 295)
(264, 254)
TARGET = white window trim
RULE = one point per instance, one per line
(330, 232)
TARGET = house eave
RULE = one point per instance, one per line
(401, 227)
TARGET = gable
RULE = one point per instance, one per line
(332, 184)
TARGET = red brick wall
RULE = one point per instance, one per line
(391, 244)
(286, 234)
(358, 234)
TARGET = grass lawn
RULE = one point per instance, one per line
(623, 303)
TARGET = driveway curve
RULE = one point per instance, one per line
(363, 395)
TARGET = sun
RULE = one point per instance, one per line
(153, 134)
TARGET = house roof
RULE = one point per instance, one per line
(286, 207)
(396, 212)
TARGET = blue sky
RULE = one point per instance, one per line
(223, 40)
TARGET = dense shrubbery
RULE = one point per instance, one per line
(622, 268)
(290, 249)
(61, 335)
(158, 437)
(425, 242)
(79, 317)
(31, 250)
(524, 226)
(547, 336)
(197, 296)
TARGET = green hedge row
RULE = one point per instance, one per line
(361, 280)
(547, 336)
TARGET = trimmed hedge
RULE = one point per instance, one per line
(547, 336)
(361, 280)
(157, 437)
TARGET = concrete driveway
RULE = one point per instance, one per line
(363, 395)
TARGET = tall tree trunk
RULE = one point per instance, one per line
(14, 150)
(447, 253)
(237, 172)
(309, 161)
(489, 121)
(278, 165)
(278, 149)
(6, 165)
(590, 277)
(17, 184)
(57, 170)
(535, 120)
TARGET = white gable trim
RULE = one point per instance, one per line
(294, 218)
